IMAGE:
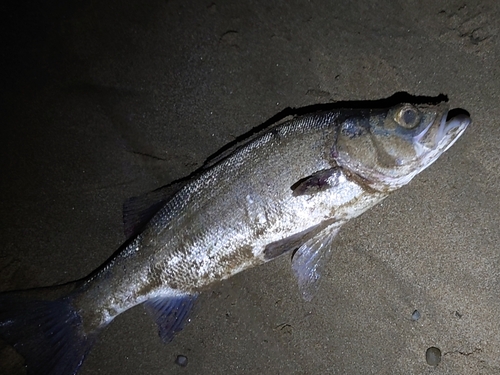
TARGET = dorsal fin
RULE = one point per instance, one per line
(138, 211)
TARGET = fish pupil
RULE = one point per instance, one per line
(409, 116)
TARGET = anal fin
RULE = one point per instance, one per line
(170, 314)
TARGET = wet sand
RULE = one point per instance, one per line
(101, 102)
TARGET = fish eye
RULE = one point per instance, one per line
(407, 117)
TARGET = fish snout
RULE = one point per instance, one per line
(453, 124)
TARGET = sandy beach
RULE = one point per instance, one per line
(102, 101)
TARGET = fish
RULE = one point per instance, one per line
(285, 189)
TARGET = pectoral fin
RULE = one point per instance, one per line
(317, 182)
(310, 259)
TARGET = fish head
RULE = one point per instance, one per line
(388, 147)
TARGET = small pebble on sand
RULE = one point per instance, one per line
(181, 360)
(433, 356)
(415, 315)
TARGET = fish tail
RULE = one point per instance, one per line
(46, 330)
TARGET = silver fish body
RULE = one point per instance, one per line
(222, 222)
(288, 189)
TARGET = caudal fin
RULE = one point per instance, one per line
(47, 333)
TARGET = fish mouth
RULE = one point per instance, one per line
(436, 141)
(452, 125)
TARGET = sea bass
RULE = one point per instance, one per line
(286, 190)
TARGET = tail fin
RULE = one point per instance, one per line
(47, 333)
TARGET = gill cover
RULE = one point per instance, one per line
(388, 147)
